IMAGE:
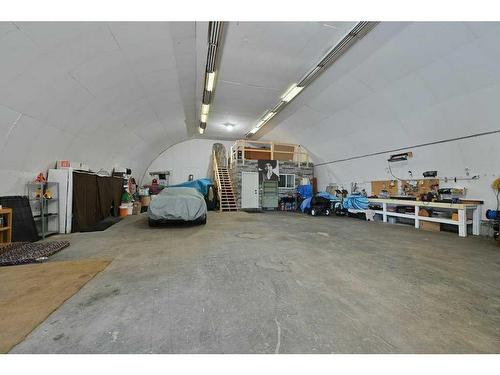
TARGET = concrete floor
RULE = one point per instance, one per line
(278, 283)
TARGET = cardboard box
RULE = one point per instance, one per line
(136, 210)
(145, 201)
(423, 212)
(430, 226)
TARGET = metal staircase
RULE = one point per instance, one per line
(225, 191)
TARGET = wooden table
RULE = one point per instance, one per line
(462, 209)
(6, 228)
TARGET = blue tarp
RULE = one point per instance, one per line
(305, 191)
(201, 185)
(357, 202)
(306, 203)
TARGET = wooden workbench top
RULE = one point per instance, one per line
(403, 202)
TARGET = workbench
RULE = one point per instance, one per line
(462, 208)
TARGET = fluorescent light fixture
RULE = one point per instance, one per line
(267, 117)
(205, 108)
(356, 33)
(309, 76)
(209, 85)
(257, 127)
(291, 93)
(215, 38)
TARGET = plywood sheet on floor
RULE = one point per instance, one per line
(30, 293)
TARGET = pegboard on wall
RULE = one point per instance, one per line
(391, 186)
(416, 188)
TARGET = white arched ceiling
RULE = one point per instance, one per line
(105, 94)
(260, 60)
(402, 84)
(111, 94)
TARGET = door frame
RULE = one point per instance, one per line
(256, 174)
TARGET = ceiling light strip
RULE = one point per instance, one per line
(291, 93)
(214, 29)
(268, 116)
(203, 126)
(214, 37)
(210, 81)
(309, 76)
(212, 55)
(356, 33)
(206, 96)
(360, 26)
(278, 107)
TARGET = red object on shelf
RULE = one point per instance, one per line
(40, 178)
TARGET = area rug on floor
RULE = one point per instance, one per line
(29, 252)
(30, 293)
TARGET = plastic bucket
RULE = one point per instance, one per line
(123, 211)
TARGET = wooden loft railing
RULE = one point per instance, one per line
(258, 150)
(217, 179)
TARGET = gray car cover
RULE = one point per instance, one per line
(177, 203)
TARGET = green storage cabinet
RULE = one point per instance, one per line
(270, 194)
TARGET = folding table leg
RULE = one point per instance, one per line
(462, 226)
(476, 221)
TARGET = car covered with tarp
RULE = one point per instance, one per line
(206, 187)
(177, 205)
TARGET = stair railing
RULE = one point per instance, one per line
(217, 179)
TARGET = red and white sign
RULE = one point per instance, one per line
(63, 164)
